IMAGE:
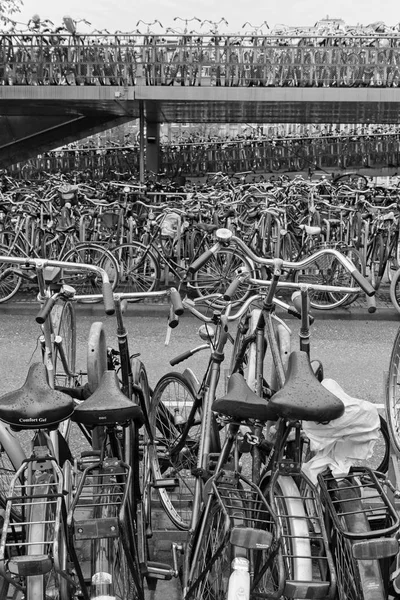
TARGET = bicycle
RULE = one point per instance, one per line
(115, 479)
(35, 554)
(292, 495)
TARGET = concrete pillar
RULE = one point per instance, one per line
(153, 147)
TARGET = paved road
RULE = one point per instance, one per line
(355, 348)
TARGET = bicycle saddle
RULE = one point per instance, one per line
(303, 397)
(208, 227)
(108, 405)
(240, 402)
(35, 405)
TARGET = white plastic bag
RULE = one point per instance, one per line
(170, 225)
(345, 441)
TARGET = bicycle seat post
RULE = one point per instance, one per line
(301, 302)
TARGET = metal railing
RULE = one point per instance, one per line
(201, 60)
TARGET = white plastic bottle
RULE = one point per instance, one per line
(239, 581)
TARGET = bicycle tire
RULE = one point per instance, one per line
(91, 254)
(11, 284)
(96, 355)
(392, 395)
(394, 290)
(243, 356)
(218, 273)
(12, 456)
(173, 391)
(356, 579)
(327, 270)
(212, 552)
(51, 245)
(139, 269)
(64, 325)
(294, 561)
(143, 476)
(111, 553)
(380, 460)
(198, 243)
(289, 247)
(356, 180)
(42, 516)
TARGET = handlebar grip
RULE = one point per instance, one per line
(295, 313)
(200, 261)
(108, 298)
(46, 310)
(173, 318)
(176, 302)
(181, 358)
(232, 288)
(371, 304)
(364, 284)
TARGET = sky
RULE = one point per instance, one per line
(123, 15)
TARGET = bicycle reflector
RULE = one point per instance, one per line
(375, 549)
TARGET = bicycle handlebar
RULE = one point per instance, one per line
(363, 283)
(40, 264)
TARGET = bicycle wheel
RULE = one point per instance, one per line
(380, 460)
(173, 405)
(11, 457)
(91, 254)
(114, 558)
(218, 273)
(198, 243)
(327, 270)
(294, 560)
(356, 579)
(42, 527)
(51, 245)
(10, 285)
(64, 325)
(394, 290)
(212, 553)
(355, 180)
(244, 353)
(139, 270)
(392, 395)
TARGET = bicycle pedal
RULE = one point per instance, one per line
(156, 570)
(165, 483)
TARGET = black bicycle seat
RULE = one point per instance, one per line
(35, 405)
(207, 227)
(108, 405)
(303, 397)
(240, 402)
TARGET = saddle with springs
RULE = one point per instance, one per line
(302, 397)
(36, 405)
